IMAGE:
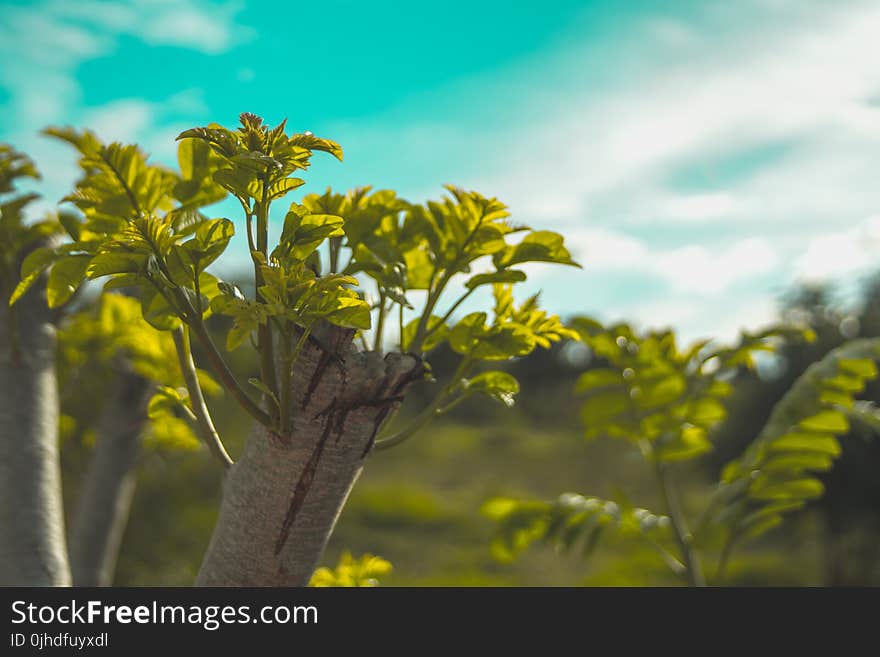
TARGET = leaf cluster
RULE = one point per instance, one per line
(363, 571)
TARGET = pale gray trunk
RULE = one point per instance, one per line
(32, 545)
(282, 497)
(108, 488)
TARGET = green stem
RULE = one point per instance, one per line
(265, 343)
(227, 378)
(197, 400)
(434, 293)
(334, 246)
(692, 569)
(380, 323)
(448, 314)
(290, 360)
(724, 558)
(433, 410)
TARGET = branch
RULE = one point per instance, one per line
(264, 331)
(683, 537)
(227, 378)
(197, 400)
(433, 410)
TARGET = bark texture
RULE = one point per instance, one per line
(108, 488)
(282, 497)
(32, 546)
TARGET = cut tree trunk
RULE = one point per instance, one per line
(108, 488)
(281, 499)
(32, 545)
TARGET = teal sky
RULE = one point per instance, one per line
(699, 156)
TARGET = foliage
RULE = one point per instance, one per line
(144, 229)
(16, 235)
(571, 522)
(363, 571)
(666, 400)
(95, 343)
(776, 474)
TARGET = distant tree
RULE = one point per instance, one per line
(665, 401)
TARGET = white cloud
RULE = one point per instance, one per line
(836, 254)
(711, 271)
(693, 268)
(192, 24)
(814, 78)
(603, 158)
(718, 318)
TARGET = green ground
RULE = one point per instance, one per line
(418, 506)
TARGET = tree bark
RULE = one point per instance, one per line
(32, 545)
(108, 488)
(281, 499)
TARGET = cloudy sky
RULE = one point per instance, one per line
(699, 156)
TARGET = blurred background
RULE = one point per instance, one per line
(712, 164)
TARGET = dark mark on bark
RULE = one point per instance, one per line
(328, 354)
(304, 484)
(377, 424)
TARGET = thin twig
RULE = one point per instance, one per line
(199, 408)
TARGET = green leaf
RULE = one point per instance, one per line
(797, 463)
(806, 442)
(350, 312)
(689, 443)
(158, 313)
(115, 262)
(464, 336)
(313, 143)
(833, 421)
(706, 412)
(34, 264)
(600, 409)
(263, 388)
(438, 335)
(501, 386)
(864, 368)
(795, 489)
(283, 186)
(537, 246)
(304, 232)
(166, 400)
(504, 276)
(504, 342)
(208, 242)
(65, 277)
(598, 378)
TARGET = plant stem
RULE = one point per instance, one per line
(693, 571)
(197, 400)
(448, 314)
(380, 323)
(724, 558)
(264, 332)
(227, 378)
(334, 246)
(290, 360)
(400, 325)
(434, 409)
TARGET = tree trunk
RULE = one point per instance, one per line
(282, 497)
(108, 488)
(32, 545)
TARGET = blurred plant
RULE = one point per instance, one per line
(32, 549)
(363, 571)
(121, 383)
(665, 401)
